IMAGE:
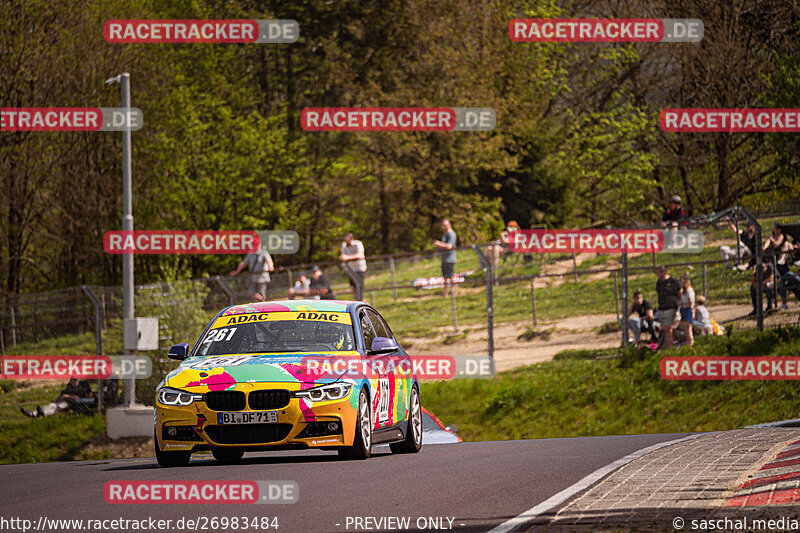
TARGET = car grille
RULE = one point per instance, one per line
(269, 399)
(248, 433)
(225, 400)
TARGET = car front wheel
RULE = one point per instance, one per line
(413, 440)
(228, 457)
(362, 442)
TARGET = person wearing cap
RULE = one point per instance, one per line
(320, 286)
(675, 216)
(355, 264)
(259, 263)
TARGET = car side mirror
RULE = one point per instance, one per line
(382, 345)
(179, 352)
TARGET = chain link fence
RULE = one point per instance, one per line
(534, 307)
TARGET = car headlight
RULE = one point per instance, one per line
(333, 391)
(169, 396)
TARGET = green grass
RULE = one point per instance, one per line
(579, 395)
(32, 440)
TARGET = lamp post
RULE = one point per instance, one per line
(127, 225)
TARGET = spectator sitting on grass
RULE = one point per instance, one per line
(644, 319)
(747, 245)
(320, 286)
(73, 395)
(301, 286)
(702, 318)
(497, 248)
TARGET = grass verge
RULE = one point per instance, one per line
(580, 395)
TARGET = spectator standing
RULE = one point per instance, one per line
(787, 280)
(774, 244)
(675, 216)
(643, 321)
(767, 283)
(447, 252)
(352, 256)
(668, 290)
(259, 263)
(687, 308)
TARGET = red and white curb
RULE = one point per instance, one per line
(775, 483)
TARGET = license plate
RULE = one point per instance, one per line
(253, 417)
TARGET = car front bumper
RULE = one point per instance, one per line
(195, 427)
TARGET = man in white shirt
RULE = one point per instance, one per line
(259, 263)
(355, 263)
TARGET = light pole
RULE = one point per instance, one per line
(127, 225)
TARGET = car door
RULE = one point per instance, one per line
(378, 364)
(398, 375)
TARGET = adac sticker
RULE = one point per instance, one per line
(319, 316)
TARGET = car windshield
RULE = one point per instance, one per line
(278, 336)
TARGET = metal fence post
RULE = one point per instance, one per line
(625, 298)
(13, 326)
(486, 263)
(98, 340)
(775, 280)
(616, 293)
(575, 266)
(705, 277)
(227, 289)
(738, 240)
(394, 279)
(453, 308)
(533, 300)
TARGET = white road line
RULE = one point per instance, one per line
(559, 498)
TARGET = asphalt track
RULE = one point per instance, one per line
(479, 484)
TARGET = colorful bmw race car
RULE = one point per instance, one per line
(289, 374)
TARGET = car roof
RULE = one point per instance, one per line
(277, 306)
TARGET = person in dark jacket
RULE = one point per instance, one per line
(75, 393)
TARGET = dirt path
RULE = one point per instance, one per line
(572, 333)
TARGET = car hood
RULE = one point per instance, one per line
(220, 372)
